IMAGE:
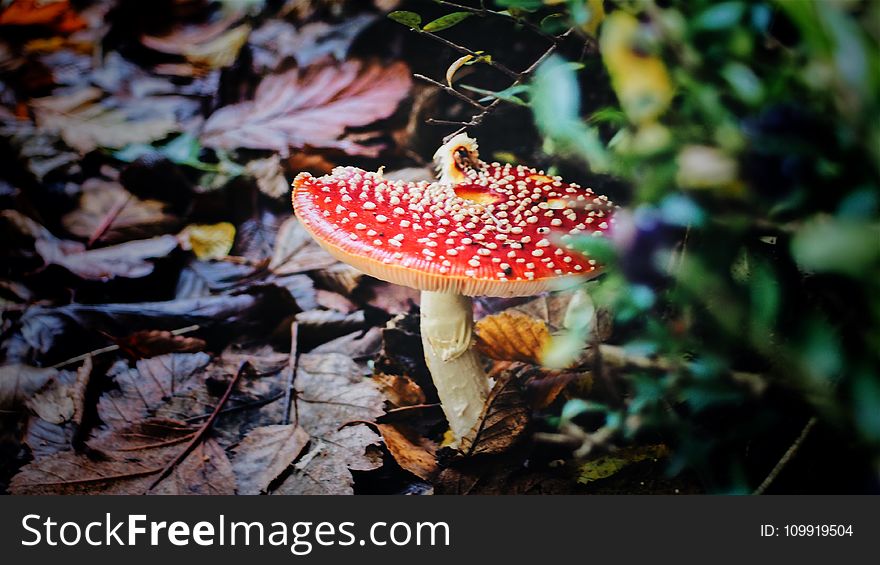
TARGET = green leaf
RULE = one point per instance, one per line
(607, 465)
(508, 94)
(447, 21)
(850, 248)
(409, 19)
(720, 16)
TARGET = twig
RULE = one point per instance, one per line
(110, 348)
(202, 431)
(462, 49)
(412, 407)
(520, 78)
(291, 373)
(108, 220)
(617, 357)
(789, 454)
(483, 12)
(451, 91)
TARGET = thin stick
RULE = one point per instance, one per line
(452, 91)
(483, 12)
(789, 454)
(202, 431)
(291, 372)
(110, 348)
(108, 220)
(520, 78)
(461, 49)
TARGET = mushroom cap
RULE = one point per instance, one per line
(503, 231)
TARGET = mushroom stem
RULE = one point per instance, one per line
(447, 324)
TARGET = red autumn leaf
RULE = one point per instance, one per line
(314, 108)
(57, 15)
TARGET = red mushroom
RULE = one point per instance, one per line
(483, 230)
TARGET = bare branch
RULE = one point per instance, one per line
(451, 91)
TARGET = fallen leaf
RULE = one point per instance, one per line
(152, 343)
(277, 40)
(512, 336)
(212, 46)
(326, 468)
(605, 466)
(138, 219)
(295, 251)
(502, 422)
(264, 454)
(127, 260)
(400, 390)
(62, 400)
(269, 175)
(19, 382)
(57, 14)
(146, 389)
(412, 452)
(357, 345)
(208, 241)
(85, 120)
(541, 386)
(295, 109)
(55, 333)
(131, 459)
(331, 392)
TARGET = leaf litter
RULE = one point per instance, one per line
(169, 327)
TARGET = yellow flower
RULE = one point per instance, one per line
(641, 81)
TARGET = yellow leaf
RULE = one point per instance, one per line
(640, 80)
(513, 336)
(608, 465)
(453, 68)
(597, 15)
(221, 51)
(208, 241)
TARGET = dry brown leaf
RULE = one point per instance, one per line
(513, 336)
(19, 382)
(277, 40)
(137, 219)
(334, 301)
(57, 14)
(127, 259)
(356, 345)
(269, 175)
(85, 121)
(212, 46)
(312, 163)
(332, 391)
(145, 390)
(208, 241)
(152, 343)
(264, 454)
(399, 390)
(326, 468)
(411, 451)
(131, 459)
(314, 108)
(62, 400)
(295, 250)
(502, 422)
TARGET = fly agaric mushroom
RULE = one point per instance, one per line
(482, 230)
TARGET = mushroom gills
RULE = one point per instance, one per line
(458, 375)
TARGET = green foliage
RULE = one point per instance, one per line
(447, 21)
(409, 19)
(748, 136)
